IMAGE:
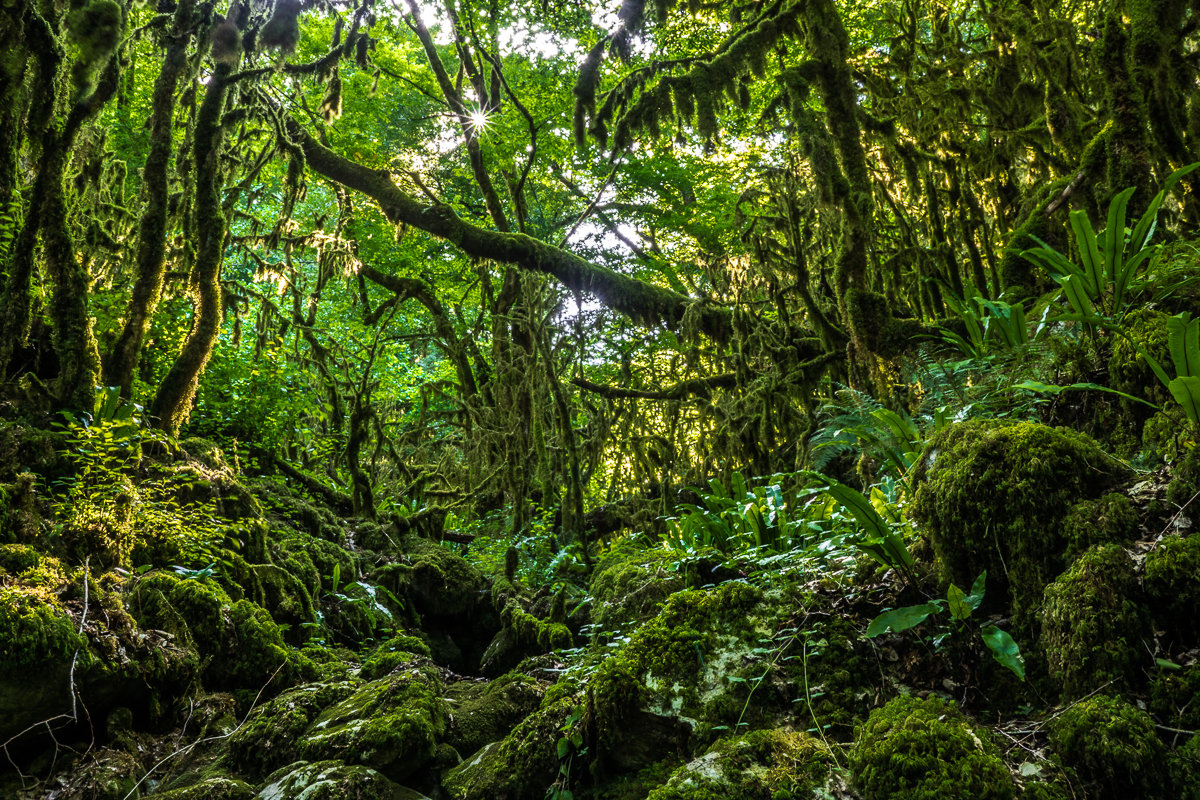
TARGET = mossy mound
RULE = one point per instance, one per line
(630, 582)
(912, 749)
(1110, 519)
(283, 506)
(397, 652)
(392, 725)
(1093, 624)
(1113, 749)
(1128, 370)
(486, 712)
(993, 496)
(333, 780)
(1174, 694)
(438, 582)
(762, 765)
(1172, 588)
(243, 648)
(523, 765)
(267, 741)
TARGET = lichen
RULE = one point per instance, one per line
(1093, 624)
(992, 496)
(913, 749)
(1113, 749)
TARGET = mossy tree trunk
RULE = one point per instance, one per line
(152, 234)
(172, 403)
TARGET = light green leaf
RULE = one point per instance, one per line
(975, 598)
(901, 619)
(1004, 649)
(956, 598)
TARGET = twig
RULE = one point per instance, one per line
(1171, 521)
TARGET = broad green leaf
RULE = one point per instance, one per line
(956, 601)
(881, 542)
(1089, 253)
(901, 619)
(1184, 343)
(1004, 649)
(1051, 388)
(975, 598)
(1186, 392)
(1114, 236)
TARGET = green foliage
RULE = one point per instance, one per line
(960, 605)
(1098, 286)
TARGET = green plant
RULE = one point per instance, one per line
(879, 538)
(1097, 288)
(961, 605)
(568, 747)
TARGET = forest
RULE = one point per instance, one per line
(706, 400)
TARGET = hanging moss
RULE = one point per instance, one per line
(1113, 749)
(912, 749)
(1093, 623)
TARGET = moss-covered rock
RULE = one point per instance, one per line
(486, 712)
(242, 646)
(522, 766)
(762, 765)
(1093, 623)
(333, 780)
(439, 582)
(399, 651)
(1173, 696)
(1110, 519)
(1113, 749)
(1172, 587)
(211, 789)
(392, 725)
(38, 643)
(993, 495)
(267, 741)
(912, 749)
(631, 581)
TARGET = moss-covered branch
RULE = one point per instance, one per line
(642, 302)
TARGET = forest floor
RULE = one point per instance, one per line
(172, 625)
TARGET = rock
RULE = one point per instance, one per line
(333, 780)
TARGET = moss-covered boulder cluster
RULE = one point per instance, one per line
(280, 650)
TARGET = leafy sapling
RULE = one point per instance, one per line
(960, 605)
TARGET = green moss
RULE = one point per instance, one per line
(1172, 588)
(630, 582)
(993, 495)
(267, 741)
(1185, 478)
(523, 765)
(1110, 519)
(332, 780)
(211, 789)
(392, 725)
(1113, 749)
(762, 765)
(1128, 370)
(486, 712)
(879, 331)
(1173, 697)
(439, 582)
(1093, 624)
(398, 651)
(1185, 769)
(35, 631)
(912, 749)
